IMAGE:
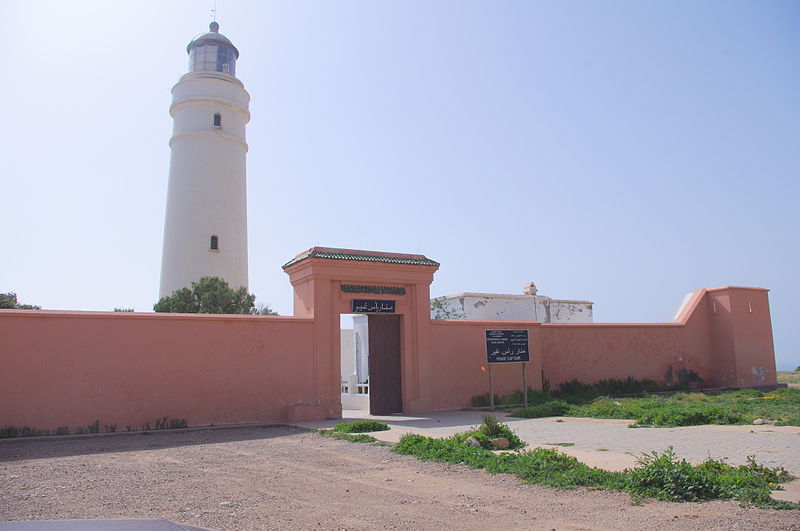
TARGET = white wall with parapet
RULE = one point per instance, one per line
(494, 306)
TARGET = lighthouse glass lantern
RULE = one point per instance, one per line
(212, 52)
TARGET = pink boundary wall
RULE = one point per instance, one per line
(72, 368)
(723, 335)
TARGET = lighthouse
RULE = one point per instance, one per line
(205, 230)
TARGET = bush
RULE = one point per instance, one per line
(208, 295)
(667, 478)
(360, 426)
(554, 408)
(490, 429)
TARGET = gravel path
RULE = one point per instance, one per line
(284, 478)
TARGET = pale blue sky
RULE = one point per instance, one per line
(622, 152)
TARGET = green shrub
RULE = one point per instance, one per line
(175, 424)
(490, 429)
(575, 387)
(555, 408)
(482, 400)
(360, 426)
(667, 478)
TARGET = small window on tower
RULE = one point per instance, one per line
(217, 120)
(214, 243)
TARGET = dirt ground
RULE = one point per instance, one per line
(284, 478)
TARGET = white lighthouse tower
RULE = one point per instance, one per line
(205, 231)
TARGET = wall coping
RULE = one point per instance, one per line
(518, 324)
(489, 323)
(86, 314)
(542, 298)
(746, 288)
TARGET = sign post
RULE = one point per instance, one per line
(491, 388)
(507, 346)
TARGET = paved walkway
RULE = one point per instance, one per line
(610, 444)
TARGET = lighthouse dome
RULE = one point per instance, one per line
(212, 52)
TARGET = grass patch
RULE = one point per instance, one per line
(781, 407)
(361, 426)
(564, 444)
(554, 408)
(349, 437)
(355, 431)
(788, 377)
(661, 476)
(164, 423)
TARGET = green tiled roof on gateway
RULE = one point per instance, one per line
(363, 256)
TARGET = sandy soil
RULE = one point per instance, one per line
(284, 478)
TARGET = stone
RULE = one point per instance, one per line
(759, 422)
(472, 441)
(500, 442)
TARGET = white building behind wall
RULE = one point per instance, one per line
(529, 306)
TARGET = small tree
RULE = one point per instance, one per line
(8, 301)
(208, 295)
(442, 310)
(263, 309)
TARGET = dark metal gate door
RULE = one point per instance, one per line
(385, 389)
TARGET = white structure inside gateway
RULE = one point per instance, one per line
(529, 306)
(205, 230)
